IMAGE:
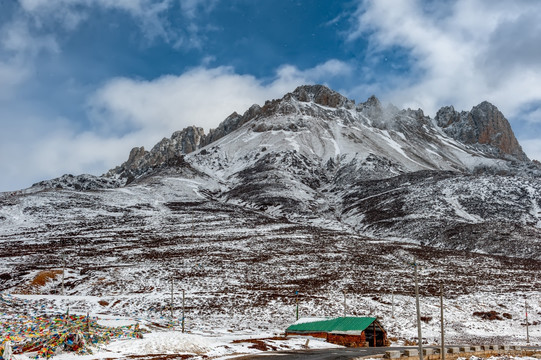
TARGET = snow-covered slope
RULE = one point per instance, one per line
(310, 192)
(314, 157)
(405, 138)
(240, 267)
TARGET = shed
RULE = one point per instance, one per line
(346, 331)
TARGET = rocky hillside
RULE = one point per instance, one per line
(314, 157)
(485, 127)
(309, 192)
(240, 267)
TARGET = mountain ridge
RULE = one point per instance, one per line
(315, 157)
(508, 149)
(485, 139)
(290, 197)
(491, 136)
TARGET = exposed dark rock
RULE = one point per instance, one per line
(80, 182)
(5, 276)
(168, 152)
(483, 125)
(322, 95)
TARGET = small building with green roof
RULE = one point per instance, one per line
(347, 331)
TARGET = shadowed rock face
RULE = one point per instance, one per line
(484, 125)
(322, 95)
(168, 152)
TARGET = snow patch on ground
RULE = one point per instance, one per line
(171, 342)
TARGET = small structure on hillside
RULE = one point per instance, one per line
(346, 331)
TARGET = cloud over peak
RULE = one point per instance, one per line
(461, 55)
(201, 96)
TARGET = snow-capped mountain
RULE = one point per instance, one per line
(321, 124)
(308, 191)
(460, 180)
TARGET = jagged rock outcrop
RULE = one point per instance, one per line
(484, 125)
(79, 182)
(322, 95)
(168, 152)
(230, 124)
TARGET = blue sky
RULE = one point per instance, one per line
(84, 81)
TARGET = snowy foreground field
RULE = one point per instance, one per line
(220, 335)
(160, 344)
(240, 269)
(161, 338)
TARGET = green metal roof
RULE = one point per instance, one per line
(339, 324)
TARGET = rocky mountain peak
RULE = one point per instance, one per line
(485, 126)
(372, 101)
(168, 152)
(322, 95)
(371, 107)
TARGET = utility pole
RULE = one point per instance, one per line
(527, 333)
(172, 299)
(182, 310)
(345, 304)
(392, 303)
(392, 299)
(419, 335)
(297, 299)
(442, 331)
(63, 272)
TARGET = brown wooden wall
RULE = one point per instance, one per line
(338, 339)
(348, 340)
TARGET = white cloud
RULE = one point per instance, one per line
(70, 13)
(329, 69)
(191, 8)
(533, 115)
(532, 147)
(16, 38)
(18, 51)
(12, 74)
(467, 52)
(128, 113)
(33, 29)
(47, 148)
(201, 96)
(35, 25)
(149, 14)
